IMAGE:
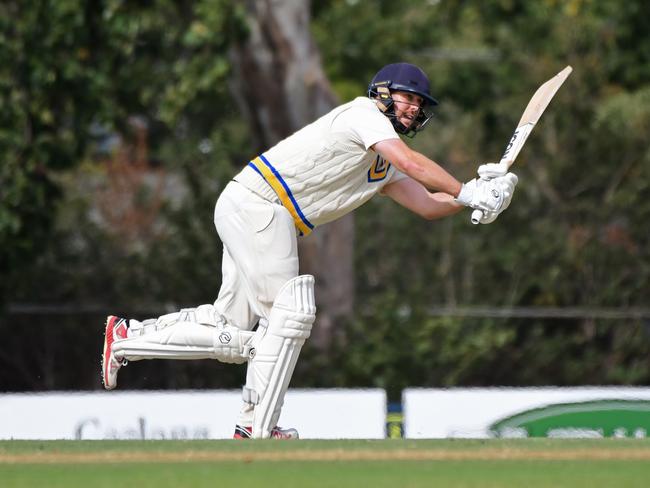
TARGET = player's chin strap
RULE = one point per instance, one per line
(384, 99)
(194, 333)
(276, 354)
(385, 103)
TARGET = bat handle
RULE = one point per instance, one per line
(476, 216)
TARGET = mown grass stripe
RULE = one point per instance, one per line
(133, 456)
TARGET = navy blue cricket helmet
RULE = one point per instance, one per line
(408, 78)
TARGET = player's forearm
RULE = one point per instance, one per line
(431, 174)
(441, 205)
(413, 195)
(417, 166)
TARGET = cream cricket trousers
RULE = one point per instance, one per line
(260, 254)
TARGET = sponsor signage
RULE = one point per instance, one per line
(599, 418)
(576, 412)
(204, 414)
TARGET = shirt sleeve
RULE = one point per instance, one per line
(366, 124)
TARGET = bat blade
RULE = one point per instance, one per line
(534, 110)
(516, 143)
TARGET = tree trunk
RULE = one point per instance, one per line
(280, 85)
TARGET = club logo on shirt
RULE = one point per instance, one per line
(378, 170)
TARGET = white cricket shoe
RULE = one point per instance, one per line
(276, 433)
(116, 328)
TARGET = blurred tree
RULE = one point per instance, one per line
(281, 87)
(71, 67)
(574, 235)
(46, 87)
(564, 241)
(74, 75)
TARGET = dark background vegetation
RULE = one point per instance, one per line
(121, 121)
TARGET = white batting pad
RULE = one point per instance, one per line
(188, 340)
(271, 368)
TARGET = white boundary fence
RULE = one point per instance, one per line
(204, 414)
(332, 414)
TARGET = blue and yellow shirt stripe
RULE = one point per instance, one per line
(282, 190)
(379, 170)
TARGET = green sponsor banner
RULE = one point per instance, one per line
(598, 418)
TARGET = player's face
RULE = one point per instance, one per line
(407, 106)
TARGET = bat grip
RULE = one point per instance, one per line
(476, 216)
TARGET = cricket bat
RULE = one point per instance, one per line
(531, 115)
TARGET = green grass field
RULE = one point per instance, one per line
(526, 463)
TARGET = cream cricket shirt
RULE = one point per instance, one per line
(326, 169)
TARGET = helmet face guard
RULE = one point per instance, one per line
(407, 78)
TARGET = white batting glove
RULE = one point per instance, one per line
(485, 195)
(492, 170)
(507, 184)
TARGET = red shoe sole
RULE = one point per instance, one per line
(109, 337)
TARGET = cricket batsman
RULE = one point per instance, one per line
(265, 308)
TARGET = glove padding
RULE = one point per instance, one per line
(507, 184)
(492, 170)
(488, 217)
(488, 195)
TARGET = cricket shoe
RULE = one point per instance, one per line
(276, 433)
(116, 328)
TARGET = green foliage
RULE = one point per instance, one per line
(44, 87)
(576, 232)
(74, 73)
(78, 77)
(67, 67)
